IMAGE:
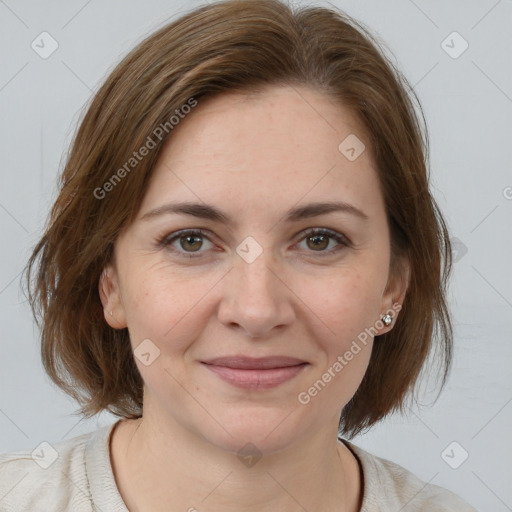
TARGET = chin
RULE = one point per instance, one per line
(268, 429)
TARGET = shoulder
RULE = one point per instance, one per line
(390, 487)
(51, 476)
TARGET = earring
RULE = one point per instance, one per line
(387, 320)
(111, 313)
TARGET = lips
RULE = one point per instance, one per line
(255, 373)
(253, 363)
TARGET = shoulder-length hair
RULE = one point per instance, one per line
(230, 45)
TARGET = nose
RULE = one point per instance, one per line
(256, 298)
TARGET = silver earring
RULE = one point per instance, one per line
(387, 320)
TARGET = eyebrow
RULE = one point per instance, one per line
(209, 212)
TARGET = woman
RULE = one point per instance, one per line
(244, 260)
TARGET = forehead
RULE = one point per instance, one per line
(253, 149)
(277, 117)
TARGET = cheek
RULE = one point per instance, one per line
(348, 309)
(347, 302)
(349, 313)
(169, 312)
(166, 307)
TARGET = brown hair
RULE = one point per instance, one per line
(232, 45)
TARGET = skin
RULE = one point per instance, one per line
(254, 157)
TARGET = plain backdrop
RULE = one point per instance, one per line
(466, 94)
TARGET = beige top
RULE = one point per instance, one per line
(75, 475)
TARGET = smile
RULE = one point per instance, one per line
(256, 374)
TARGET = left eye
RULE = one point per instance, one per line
(191, 241)
(320, 239)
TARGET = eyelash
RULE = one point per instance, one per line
(167, 240)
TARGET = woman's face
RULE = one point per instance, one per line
(255, 282)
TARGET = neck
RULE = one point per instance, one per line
(161, 464)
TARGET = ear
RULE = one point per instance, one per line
(108, 287)
(395, 292)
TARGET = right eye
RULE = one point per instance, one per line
(190, 241)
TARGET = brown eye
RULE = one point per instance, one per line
(191, 242)
(186, 243)
(318, 242)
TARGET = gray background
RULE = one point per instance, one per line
(468, 105)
